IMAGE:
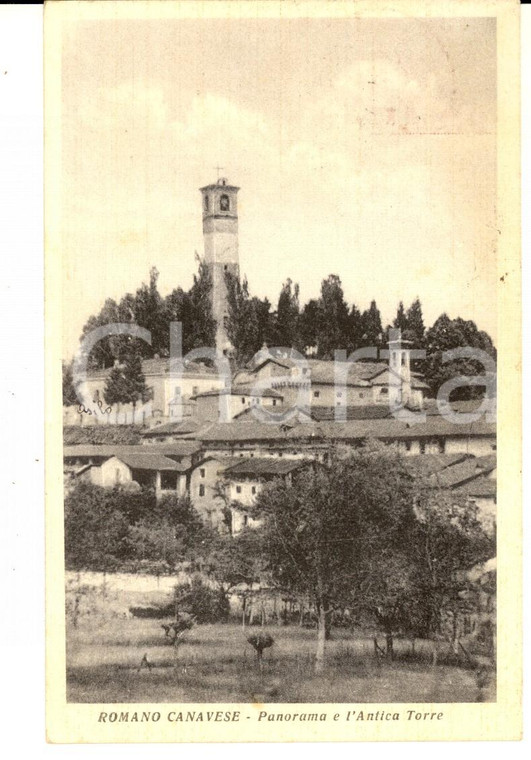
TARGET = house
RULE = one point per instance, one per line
(205, 493)
(245, 479)
(170, 431)
(311, 382)
(155, 471)
(307, 437)
(167, 390)
(225, 404)
(224, 489)
(467, 476)
(148, 465)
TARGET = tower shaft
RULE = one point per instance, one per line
(220, 236)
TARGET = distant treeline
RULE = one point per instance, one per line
(315, 329)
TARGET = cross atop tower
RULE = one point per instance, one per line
(219, 169)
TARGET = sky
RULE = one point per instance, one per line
(363, 147)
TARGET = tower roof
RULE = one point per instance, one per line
(222, 183)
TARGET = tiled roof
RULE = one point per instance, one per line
(373, 412)
(241, 431)
(427, 464)
(359, 373)
(462, 407)
(386, 429)
(265, 467)
(460, 473)
(180, 448)
(172, 428)
(482, 487)
(158, 367)
(390, 429)
(245, 389)
(157, 462)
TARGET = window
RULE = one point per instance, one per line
(195, 390)
(408, 445)
(339, 394)
(206, 202)
(226, 267)
(202, 472)
(238, 489)
(422, 447)
(253, 490)
(245, 520)
(274, 402)
(316, 394)
(201, 490)
(384, 391)
(243, 400)
(117, 476)
(224, 203)
(442, 445)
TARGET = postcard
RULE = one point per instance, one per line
(283, 406)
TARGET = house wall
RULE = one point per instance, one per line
(163, 388)
(203, 480)
(190, 385)
(477, 446)
(208, 407)
(245, 491)
(113, 472)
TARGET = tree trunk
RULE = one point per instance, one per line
(244, 604)
(455, 633)
(321, 640)
(328, 625)
(301, 615)
(389, 645)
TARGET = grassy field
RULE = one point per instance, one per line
(216, 664)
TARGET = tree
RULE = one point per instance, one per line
(414, 324)
(319, 530)
(372, 326)
(355, 329)
(243, 325)
(104, 352)
(400, 321)
(408, 587)
(309, 325)
(202, 325)
(95, 529)
(116, 387)
(362, 533)
(69, 392)
(333, 327)
(448, 541)
(235, 560)
(105, 528)
(287, 317)
(126, 383)
(446, 334)
(136, 379)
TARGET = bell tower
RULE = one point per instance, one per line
(220, 235)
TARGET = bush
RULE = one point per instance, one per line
(205, 604)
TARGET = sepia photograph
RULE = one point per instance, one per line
(278, 248)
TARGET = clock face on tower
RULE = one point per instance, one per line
(224, 203)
